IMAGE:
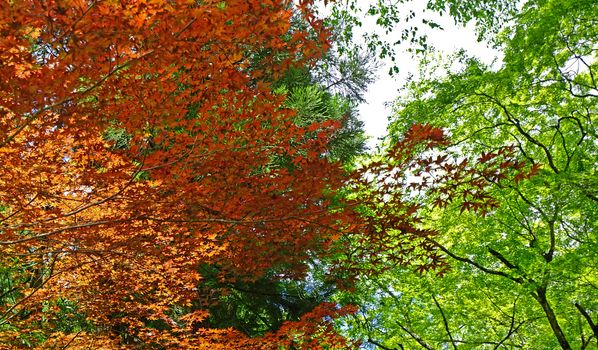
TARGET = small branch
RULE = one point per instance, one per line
(445, 322)
(502, 259)
(62, 229)
(70, 341)
(5, 317)
(371, 341)
(550, 253)
(512, 328)
(588, 318)
(475, 264)
(416, 337)
(515, 122)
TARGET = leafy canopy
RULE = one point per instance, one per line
(522, 274)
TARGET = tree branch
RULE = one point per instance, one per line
(371, 341)
(588, 318)
(475, 264)
(540, 296)
(445, 322)
(502, 259)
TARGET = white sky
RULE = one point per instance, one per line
(385, 89)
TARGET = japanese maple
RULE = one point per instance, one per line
(140, 140)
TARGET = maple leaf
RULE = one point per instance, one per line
(142, 138)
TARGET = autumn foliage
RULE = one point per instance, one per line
(139, 140)
(418, 166)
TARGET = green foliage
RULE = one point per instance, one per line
(57, 315)
(314, 104)
(523, 276)
(118, 137)
(399, 23)
(330, 91)
(257, 307)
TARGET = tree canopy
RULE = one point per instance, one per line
(523, 274)
(193, 174)
(142, 140)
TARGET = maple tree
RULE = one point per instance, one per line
(523, 274)
(173, 177)
(141, 140)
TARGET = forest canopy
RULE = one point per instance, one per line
(193, 174)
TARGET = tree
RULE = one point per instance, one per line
(256, 307)
(402, 21)
(140, 141)
(523, 273)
